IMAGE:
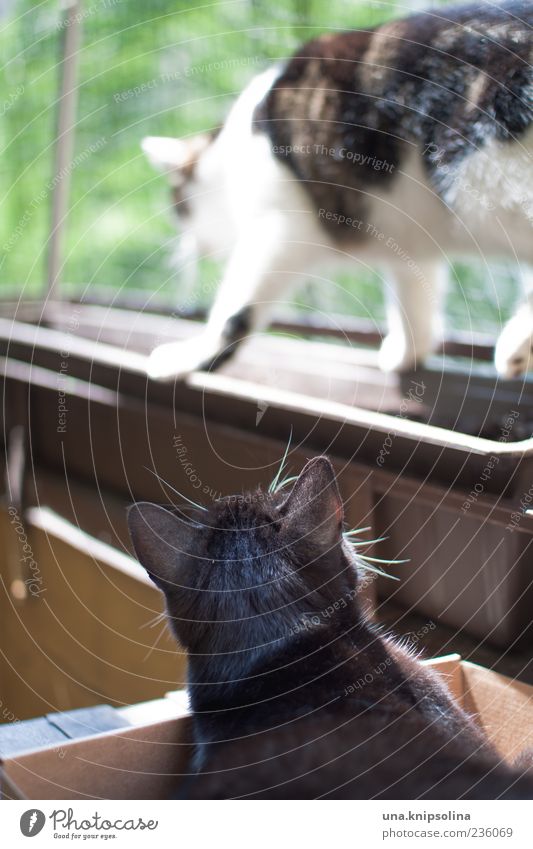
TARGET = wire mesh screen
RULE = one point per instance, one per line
(29, 48)
(160, 68)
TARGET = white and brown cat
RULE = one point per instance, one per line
(400, 147)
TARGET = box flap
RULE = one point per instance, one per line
(145, 762)
(82, 722)
(149, 761)
(32, 734)
(449, 667)
(27, 736)
(502, 706)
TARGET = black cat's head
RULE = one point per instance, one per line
(253, 569)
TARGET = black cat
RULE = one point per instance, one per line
(294, 694)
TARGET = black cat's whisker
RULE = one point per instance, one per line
(369, 567)
(380, 560)
(161, 617)
(273, 486)
(368, 561)
(161, 632)
(365, 542)
(176, 491)
(362, 542)
(285, 482)
(357, 531)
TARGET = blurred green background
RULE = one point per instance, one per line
(189, 62)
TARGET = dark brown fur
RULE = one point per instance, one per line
(443, 83)
(294, 693)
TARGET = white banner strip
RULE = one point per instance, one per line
(255, 825)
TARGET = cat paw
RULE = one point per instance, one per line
(176, 360)
(513, 355)
(397, 355)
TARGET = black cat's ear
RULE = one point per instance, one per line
(313, 511)
(160, 540)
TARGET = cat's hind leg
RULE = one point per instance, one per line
(513, 355)
(414, 311)
(268, 258)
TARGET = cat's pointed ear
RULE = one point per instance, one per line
(313, 510)
(175, 157)
(161, 539)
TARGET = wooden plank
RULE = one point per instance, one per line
(105, 356)
(272, 401)
(354, 329)
(322, 426)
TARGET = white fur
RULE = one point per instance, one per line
(248, 205)
(165, 154)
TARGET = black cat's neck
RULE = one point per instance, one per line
(310, 669)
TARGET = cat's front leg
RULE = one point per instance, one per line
(215, 344)
(177, 359)
(513, 355)
(267, 260)
(414, 311)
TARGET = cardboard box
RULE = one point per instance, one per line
(147, 761)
